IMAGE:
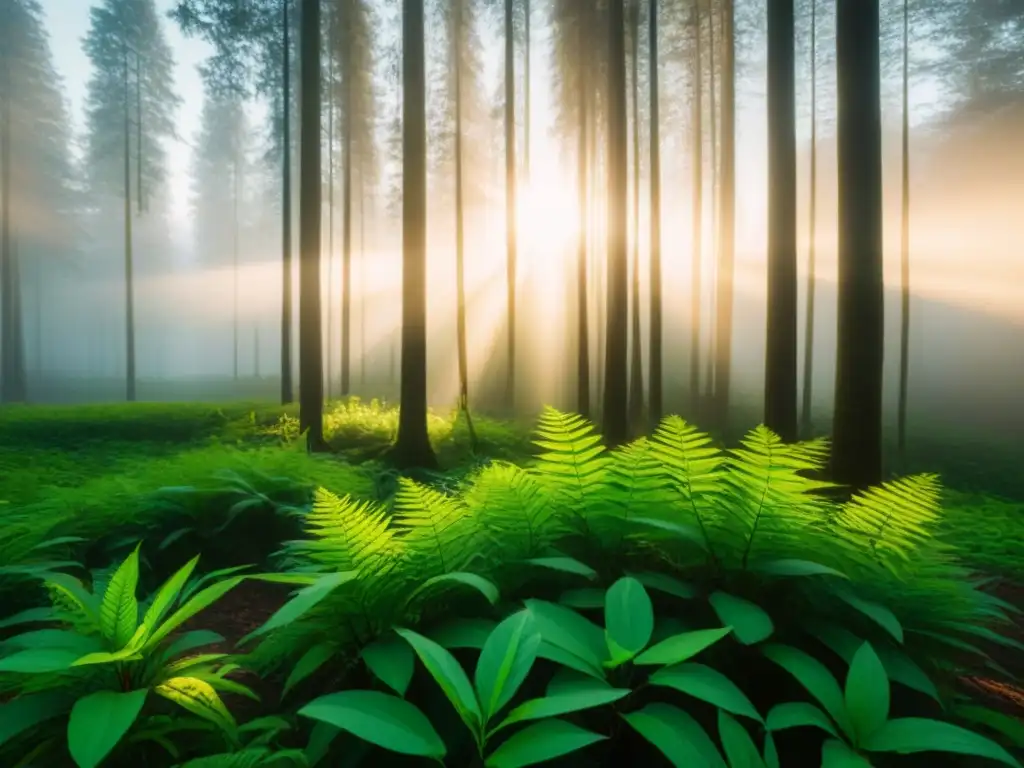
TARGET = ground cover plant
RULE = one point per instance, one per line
(664, 601)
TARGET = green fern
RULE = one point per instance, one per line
(346, 535)
(896, 518)
(572, 466)
(513, 509)
(770, 503)
(435, 530)
(253, 757)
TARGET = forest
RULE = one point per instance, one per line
(497, 383)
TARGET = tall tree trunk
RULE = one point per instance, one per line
(812, 215)
(362, 276)
(287, 387)
(9, 375)
(655, 405)
(18, 327)
(346, 226)
(129, 280)
(697, 224)
(709, 383)
(460, 234)
(234, 260)
(526, 91)
(511, 220)
(904, 245)
(582, 157)
(726, 221)
(412, 447)
(636, 377)
(311, 366)
(857, 417)
(616, 405)
(780, 350)
(138, 133)
(332, 98)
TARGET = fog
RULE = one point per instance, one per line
(208, 330)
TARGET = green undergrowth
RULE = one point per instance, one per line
(666, 600)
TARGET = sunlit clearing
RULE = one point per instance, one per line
(548, 221)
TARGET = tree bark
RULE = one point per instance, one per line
(697, 234)
(129, 279)
(656, 397)
(346, 221)
(287, 387)
(904, 245)
(726, 221)
(812, 215)
(311, 368)
(636, 373)
(583, 326)
(857, 417)
(615, 424)
(510, 197)
(412, 447)
(780, 391)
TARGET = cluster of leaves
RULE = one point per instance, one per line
(102, 654)
(864, 579)
(730, 605)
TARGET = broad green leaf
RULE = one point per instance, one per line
(39, 660)
(815, 678)
(129, 652)
(193, 586)
(29, 709)
(676, 735)
(750, 624)
(484, 586)
(463, 633)
(391, 659)
(565, 679)
(667, 584)
(308, 663)
(29, 616)
(505, 661)
(199, 601)
(879, 614)
(443, 667)
(565, 565)
(198, 697)
(320, 740)
(379, 718)
(585, 599)
(55, 639)
(771, 753)
(789, 567)
(740, 750)
(867, 693)
(566, 629)
(908, 735)
(628, 617)
(303, 601)
(99, 721)
(564, 702)
(798, 714)
(119, 611)
(168, 593)
(569, 660)
(685, 532)
(679, 648)
(707, 684)
(836, 754)
(1010, 727)
(540, 742)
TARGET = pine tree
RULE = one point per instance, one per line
(36, 201)
(129, 112)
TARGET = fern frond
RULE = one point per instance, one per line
(346, 535)
(437, 533)
(573, 463)
(636, 479)
(771, 502)
(511, 506)
(895, 518)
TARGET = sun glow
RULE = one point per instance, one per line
(548, 221)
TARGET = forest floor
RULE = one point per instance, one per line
(82, 470)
